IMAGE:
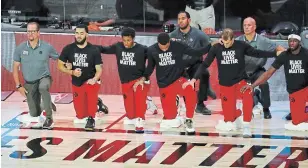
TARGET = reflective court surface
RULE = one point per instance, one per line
(117, 145)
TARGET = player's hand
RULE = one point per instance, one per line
(91, 81)
(139, 82)
(279, 52)
(77, 72)
(247, 87)
(23, 91)
(187, 83)
(68, 65)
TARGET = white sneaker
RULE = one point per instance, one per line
(299, 127)
(189, 125)
(246, 130)
(239, 122)
(151, 106)
(225, 126)
(128, 121)
(80, 121)
(173, 123)
(139, 125)
(257, 110)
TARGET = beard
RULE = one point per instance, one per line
(182, 28)
(80, 42)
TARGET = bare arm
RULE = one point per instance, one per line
(62, 68)
(264, 77)
(16, 66)
(98, 73)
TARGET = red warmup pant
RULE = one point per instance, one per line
(168, 99)
(85, 99)
(297, 106)
(135, 102)
(229, 94)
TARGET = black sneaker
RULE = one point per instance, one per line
(101, 107)
(267, 113)
(202, 109)
(48, 124)
(289, 117)
(90, 124)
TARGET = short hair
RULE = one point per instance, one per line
(82, 26)
(35, 23)
(163, 38)
(227, 34)
(128, 31)
(187, 14)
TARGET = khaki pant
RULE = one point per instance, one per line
(204, 17)
(36, 91)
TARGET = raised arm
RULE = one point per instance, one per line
(251, 51)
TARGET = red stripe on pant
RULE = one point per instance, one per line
(85, 99)
(135, 102)
(168, 99)
(229, 94)
(297, 106)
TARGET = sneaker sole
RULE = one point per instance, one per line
(89, 129)
(51, 127)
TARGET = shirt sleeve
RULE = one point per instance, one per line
(251, 51)
(108, 49)
(53, 53)
(150, 67)
(207, 62)
(17, 54)
(98, 57)
(195, 52)
(279, 61)
(64, 54)
(271, 45)
(205, 39)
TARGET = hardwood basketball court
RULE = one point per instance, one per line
(113, 144)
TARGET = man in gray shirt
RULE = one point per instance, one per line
(33, 58)
(195, 39)
(255, 66)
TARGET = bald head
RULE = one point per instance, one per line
(249, 26)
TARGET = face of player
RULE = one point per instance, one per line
(128, 41)
(293, 44)
(228, 43)
(80, 36)
(32, 32)
(164, 47)
(183, 21)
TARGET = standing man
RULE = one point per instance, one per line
(194, 38)
(131, 59)
(33, 57)
(255, 66)
(86, 71)
(202, 14)
(167, 57)
(232, 75)
(295, 62)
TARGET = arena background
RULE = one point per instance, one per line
(111, 83)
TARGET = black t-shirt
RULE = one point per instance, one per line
(231, 62)
(131, 61)
(295, 69)
(170, 64)
(83, 58)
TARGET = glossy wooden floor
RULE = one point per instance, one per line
(114, 145)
